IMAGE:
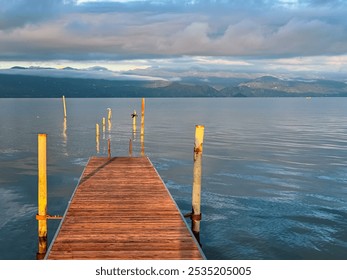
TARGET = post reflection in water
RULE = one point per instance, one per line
(109, 125)
(97, 136)
(64, 136)
(109, 128)
(97, 142)
(103, 128)
(134, 133)
(142, 145)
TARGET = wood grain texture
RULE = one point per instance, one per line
(121, 209)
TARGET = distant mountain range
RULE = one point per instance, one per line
(38, 86)
(269, 86)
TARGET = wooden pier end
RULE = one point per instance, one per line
(121, 209)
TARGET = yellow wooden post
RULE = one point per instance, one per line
(196, 192)
(142, 136)
(143, 117)
(134, 117)
(42, 195)
(64, 105)
(109, 117)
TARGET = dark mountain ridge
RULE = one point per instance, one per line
(20, 85)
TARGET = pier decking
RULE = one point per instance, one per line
(121, 209)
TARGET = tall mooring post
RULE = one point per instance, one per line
(41, 216)
(143, 127)
(196, 192)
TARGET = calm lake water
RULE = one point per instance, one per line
(274, 182)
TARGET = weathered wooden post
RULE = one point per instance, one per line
(109, 117)
(196, 192)
(134, 117)
(142, 136)
(64, 105)
(41, 217)
(143, 117)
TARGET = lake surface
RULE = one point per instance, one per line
(274, 183)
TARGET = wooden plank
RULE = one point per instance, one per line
(121, 209)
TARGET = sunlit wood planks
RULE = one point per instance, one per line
(121, 209)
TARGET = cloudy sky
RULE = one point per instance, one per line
(175, 38)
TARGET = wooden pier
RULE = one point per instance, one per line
(121, 209)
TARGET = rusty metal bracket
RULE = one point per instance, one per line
(41, 217)
(196, 217)
(48, 217)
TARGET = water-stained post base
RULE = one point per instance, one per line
(43, 246)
